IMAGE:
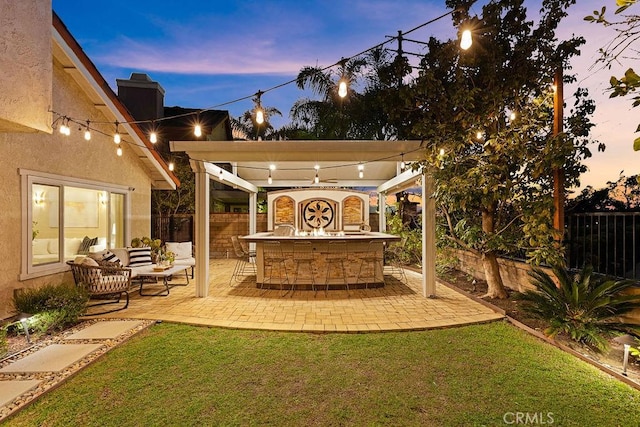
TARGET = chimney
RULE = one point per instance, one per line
(143, 97)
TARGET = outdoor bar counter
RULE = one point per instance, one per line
(358, 244)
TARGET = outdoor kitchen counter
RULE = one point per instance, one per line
(357, 245)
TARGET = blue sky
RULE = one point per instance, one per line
(206, 54)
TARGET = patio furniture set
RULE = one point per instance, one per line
(107, 275)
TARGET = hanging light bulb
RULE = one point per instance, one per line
(441, 152)
(342, 88)
(259, 116)
(64, 127)
(116, 136)
(402, 163)
(270, 180)
(360, 171)
(479, 135)
(466, 40)
(119, 151)
(153, 137)
(316, 179)
(171, 166)
(87, 132)
(259, 110)
(512, 117)
(197, 130)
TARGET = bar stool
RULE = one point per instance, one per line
(335, 257)
(274, 259)
(303, 255)
(243, 263)
(371, 260)
(392, 264)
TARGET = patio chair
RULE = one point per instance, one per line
(103, 282)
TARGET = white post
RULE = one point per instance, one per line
(382, 209)
(202, 231)
(428, 238)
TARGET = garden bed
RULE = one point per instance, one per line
(513, 308)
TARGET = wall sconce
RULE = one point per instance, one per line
(38, 198)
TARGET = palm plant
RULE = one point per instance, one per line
(587, 308)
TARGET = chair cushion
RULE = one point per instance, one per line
(139, 256)
(180, 250)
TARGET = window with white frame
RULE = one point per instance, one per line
(64, 218)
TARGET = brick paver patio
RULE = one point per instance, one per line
(395, 307)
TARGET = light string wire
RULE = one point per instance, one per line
(86, 124)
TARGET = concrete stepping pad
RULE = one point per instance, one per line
(9, 390)
(52, 358)
(105, 330)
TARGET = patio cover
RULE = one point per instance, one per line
(295, 163)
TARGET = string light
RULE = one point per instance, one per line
(260, 116)
(466, 40)
(513, 116)
(342, 88)
(197, 131)
(360, 171)
(116, 136)
(272, 167)
(479, 134)
(317, 178)
(64, 127)
(153, 138)
(402, 163)
(171, 166)
(259, 110)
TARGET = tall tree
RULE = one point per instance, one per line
(622, 47)
(486, 117)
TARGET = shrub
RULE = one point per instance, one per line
(585, 307)
(4, 344)
(53, 307)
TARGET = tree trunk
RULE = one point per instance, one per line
(492, 273)
(490, 260)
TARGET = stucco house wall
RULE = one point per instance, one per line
(21, 60)
(70, 157)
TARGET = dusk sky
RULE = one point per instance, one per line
(207, 54)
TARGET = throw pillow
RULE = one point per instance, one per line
(84, 246)
(109, 256)
(90, 262)
(139, 256)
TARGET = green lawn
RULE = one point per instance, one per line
(477, 375)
